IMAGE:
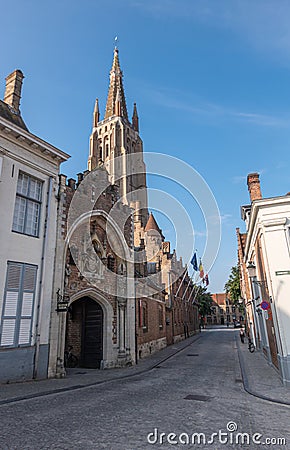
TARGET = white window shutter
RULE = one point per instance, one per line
(24, 331)
(27, 303)
(8, 330)
(11, 303)
(18, 304)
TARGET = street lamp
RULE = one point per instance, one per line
(253, 273)
(62, 302)
(251, 269)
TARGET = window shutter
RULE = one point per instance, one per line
(24, 331)
(29, 278)
(17, 311)
(27, 303)
(13, 276)
(11, 304)
(8, 330)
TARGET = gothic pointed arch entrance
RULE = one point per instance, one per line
(84, 332)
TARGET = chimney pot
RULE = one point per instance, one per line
(71, 183)
(254, 188)
(12, 94)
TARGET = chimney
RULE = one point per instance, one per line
(13, 89)
(254, 186)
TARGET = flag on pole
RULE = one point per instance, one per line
(193, 262)
(201, 271)
(206, 280)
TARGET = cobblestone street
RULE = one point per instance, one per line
(197, 390)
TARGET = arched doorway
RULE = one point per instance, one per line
(84, 332)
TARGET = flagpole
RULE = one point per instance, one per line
(190, 295)
(190, 279)
(196, 293)
(186, 288)
(179, 287)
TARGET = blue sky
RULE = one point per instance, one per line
(211, 82)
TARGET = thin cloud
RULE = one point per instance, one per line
(200, 233)
(225, 217)
(163, 97)
(239, 179)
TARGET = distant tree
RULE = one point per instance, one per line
(232, 286)
(204, 300)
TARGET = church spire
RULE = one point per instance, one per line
(116, 90)
(96, 114)
(135, 119)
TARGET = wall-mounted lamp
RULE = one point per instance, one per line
(62, 302)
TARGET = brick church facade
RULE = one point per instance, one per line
(92, 271)
(143, 311)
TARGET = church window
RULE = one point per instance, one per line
(144, 316)
(17, 314)
(160, 316)
(111, 263)
(27, 205)
(107, 150)
(151, 268)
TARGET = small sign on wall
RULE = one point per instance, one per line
(282, 272)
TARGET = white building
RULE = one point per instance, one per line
(29, 169)
(267, 259)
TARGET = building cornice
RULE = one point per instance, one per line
(32, 141)
(257, 205)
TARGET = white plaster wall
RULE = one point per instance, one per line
(278, 259)
(274, 219)
(19, 247)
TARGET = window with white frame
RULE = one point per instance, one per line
(27, 205)
(17, 310)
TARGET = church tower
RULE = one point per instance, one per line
(115, 144)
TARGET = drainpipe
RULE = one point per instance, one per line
(137, 315)
(44, 243)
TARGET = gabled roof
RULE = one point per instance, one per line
(12, 116)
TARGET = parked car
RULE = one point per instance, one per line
(237, 325)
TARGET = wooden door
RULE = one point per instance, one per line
(92, 334)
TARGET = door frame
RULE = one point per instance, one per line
(108, 316)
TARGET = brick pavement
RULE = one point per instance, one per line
(81, 377)
(260, 379)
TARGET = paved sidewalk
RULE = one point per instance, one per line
(259, 377)
(80, 377)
